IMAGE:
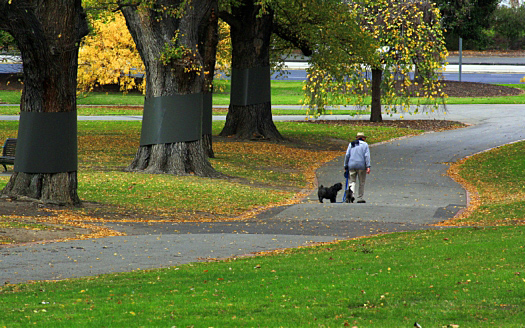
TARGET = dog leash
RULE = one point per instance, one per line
(346, 188)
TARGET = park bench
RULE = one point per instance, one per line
(8, 152)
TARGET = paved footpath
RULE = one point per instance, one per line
(407, 190)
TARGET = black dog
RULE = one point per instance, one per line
(349, 196)
(329, 193)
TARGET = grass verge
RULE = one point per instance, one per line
(137, 111)
(495, 180)
(283, 93)
(519, 99)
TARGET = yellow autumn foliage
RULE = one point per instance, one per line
(108, 55)
(224, 51)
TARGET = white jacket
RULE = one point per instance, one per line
(357, 156)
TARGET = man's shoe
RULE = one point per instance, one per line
(361, 201)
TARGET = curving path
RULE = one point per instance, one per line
(407, 190)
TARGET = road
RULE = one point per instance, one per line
(484, 70)
(451, 74)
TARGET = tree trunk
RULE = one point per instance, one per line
(59, 188)
(174, 158)
(208, 49)
(375, 116)
(152, 29)
(250, 111)
(249, 122)
(207, 144)
(48, 35)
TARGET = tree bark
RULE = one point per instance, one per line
(251, 31)
(59, 188)
(48, 36)
(375, 115)
(152, 29)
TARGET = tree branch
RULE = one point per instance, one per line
(286, 34)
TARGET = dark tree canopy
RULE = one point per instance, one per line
(465, 18)
(6, 41)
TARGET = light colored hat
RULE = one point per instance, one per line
(360, 134)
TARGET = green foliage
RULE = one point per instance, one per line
(177, 54)
(172, 53)
(509, 23)
(466, 19)
(326, 28)
(7, 42)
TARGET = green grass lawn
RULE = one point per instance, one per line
(466, 277)
(519, 99)
(283, 93)
(470, 277)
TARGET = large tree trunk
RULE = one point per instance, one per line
(250, 111)
(180, 78)
(251, 122)
(48, 36)
(375, 115)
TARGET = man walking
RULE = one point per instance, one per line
(357, 164)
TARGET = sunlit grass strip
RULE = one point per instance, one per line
(320, 133)
(3, 181)
(7, 222)
(137, 111)
(9, 110)
(8, 129)
(283, 93)
(455, 277)
(497, 176)
(60, 218)
(171, 195)
(518, 99)
(10, 97)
